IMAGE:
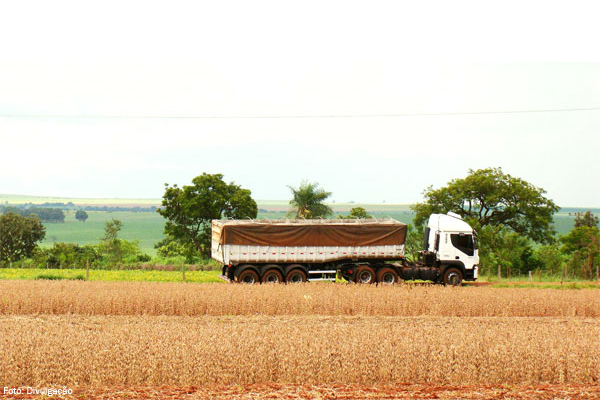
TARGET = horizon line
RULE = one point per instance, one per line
(158, 200)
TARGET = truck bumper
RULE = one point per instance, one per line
(471, 274)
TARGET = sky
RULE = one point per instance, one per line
(375, 101)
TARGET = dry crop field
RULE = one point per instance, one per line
(169, 340)
(179, 299)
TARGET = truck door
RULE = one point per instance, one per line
(464, 249)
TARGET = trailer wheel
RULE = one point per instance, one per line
(452, 276)
(365, 274)
(248, 276)
(387, 276)
(295, 276)
(272, 276)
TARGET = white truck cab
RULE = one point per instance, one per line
(453, 242)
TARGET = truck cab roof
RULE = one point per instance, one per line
(450, 222)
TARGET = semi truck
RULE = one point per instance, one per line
(363, 251)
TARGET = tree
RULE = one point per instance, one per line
(81, 215)
(171, 247)
(586, 219)
(551, 257)
(356, 213)
(307, 201)
(413, 243)
(490, 197)
(111, 229)
(583, 242)
(501, 249)
(19, 236)
(190, 209)
(529, 260)
(111, 243)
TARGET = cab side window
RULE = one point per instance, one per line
(464, 243)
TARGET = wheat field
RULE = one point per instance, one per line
(151, 340)
(149, 350)
(178, 299)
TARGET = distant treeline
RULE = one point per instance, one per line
(43, 213)
(54, 205)
(71, 206)
(110, 209)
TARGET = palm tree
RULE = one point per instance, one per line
(307, 201)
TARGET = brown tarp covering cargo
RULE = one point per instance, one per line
(313, 233)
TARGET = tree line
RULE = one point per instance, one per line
(512, 217)
(70, 206)
(513, 220)
(55, 215)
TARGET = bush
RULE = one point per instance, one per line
(66, 254)
(51, 277)
(143, 257)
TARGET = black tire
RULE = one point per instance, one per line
(295, 276)
(248, 276)
(452, 277)
(272, 276)
(365, 275)
(387, 276)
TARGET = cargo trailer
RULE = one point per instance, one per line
(360, 250)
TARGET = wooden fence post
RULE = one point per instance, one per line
(530, 278)
(499, 273)
(87, 270)
(183, 270)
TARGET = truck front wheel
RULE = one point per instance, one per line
(452, 276)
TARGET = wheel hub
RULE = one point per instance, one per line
(453, 278)
(366, 277)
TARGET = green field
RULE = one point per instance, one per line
(110, 275)
(147, 227)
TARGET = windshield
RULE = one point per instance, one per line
(464, 243)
